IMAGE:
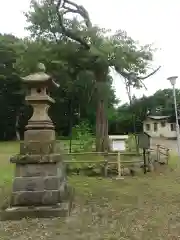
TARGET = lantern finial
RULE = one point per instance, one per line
(41, 67)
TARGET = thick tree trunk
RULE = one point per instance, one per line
(102, 142)
(101, 128)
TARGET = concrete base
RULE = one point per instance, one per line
(18, 213)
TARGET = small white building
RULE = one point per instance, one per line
(118, 142)
(160, 126)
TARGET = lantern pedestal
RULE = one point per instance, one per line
(40, 186)
(17, 213)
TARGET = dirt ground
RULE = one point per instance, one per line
(134, 208)
(145, 207)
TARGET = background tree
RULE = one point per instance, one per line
(95, 51)
(10, 88)
(16, 60)
(161, 103)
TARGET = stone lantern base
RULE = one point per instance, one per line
(40, 187)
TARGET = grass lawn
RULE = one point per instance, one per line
(145, 207)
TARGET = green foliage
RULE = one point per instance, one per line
(131, 143)
(117, 50)
(10, 86)
(77, 70)
(57, 58)
(125, 116)
(83, 133)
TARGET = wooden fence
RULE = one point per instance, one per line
(159, 154)
(107, 159)
(162, 152)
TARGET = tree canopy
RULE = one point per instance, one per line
(79, 56)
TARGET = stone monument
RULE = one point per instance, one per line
(40, 187)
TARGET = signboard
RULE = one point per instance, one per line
(118, 142)
(144, 140)
(118, 145)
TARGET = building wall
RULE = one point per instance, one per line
(162, 131)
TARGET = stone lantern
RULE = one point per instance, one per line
(40, 187)
(40, 126)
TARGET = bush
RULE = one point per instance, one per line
(131, 143)
(82, 132)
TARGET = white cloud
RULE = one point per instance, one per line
(147, 21)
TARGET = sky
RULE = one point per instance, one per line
(148, 21)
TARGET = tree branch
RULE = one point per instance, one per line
(59, 3)
(128, 90)
(143, 84)
(51, 21)
(69, 10)
(149, 75)
(67, 32)
(78, 9)
(127, 75)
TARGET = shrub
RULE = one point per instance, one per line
(82, 132)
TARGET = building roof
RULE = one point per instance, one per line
(158, 117)
(169, 118)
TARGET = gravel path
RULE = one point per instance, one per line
(171, 144)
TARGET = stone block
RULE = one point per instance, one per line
(40, 125)
(36, 198)
(39, 135)
(19, 212)
(35, 170)
(25, 159)
(51, 183)
(51, 197)
(63, 191)
(61, 170)
(35, 183)
(34, 147)
(126, 172)
(28, 184)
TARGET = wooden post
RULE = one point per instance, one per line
(144, 157)
(167, 153)
(150, 164)
(157, 152)
(148, 159)
(119, 166)
(106, 164)
(119, 163)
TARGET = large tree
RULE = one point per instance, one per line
(95, 51)
(77, 85)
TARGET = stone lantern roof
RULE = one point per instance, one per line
(40, 77)
(38, 83)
